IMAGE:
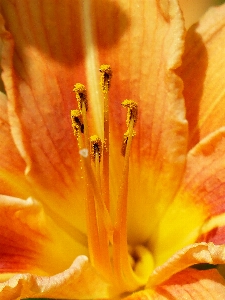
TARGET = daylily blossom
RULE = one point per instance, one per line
(92, 223)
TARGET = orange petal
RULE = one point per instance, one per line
(143, 57)
(204, 180)
(189, 284)
(200, 200)
(40, 59)
(215, 235)
(54, 48)
(31, 241)
(80, 281)
(188, 256)
(213, 230)
(192, 284)
(12, 166)
(202, 71)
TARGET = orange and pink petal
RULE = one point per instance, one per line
(39, 75)
(31, 242)
(192, 284)
(202, 73)
(143, 60)
(49, 49)
(198, 209)
(12, 166)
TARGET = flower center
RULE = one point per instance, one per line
(110, 254)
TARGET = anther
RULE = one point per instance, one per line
(81, 95)
(132, 112)
(77, 123)
(105, 77)
(96, 147)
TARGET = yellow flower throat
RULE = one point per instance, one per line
(107, 240)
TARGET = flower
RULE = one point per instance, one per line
(59, 237)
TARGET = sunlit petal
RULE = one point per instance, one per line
(204, 182)
(80, 281)
(192, 284)
(189, 284)
(143, 61)
(188, 256)
(200, 200)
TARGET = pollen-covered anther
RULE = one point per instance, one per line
(77, 123)
(81, 95)
(132, 110)
(96, 147)
(105, 77)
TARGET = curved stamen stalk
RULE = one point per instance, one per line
(106, 75)
(122, 261)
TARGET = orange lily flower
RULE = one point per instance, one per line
(107, 225)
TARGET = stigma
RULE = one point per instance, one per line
(107, 236)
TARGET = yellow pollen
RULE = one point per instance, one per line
(77, 123)
(96, 147)
(132, 112)
(105, 77)
(81, 95)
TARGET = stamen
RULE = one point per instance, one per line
(96, 148)
(124, 144)
(100, 229)
(125, 140)
(81, 95)
(106, 77)
(105, 84)
(123, 266)
(77, 124)
(99, 224)
(132, 112)
(96, 153)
